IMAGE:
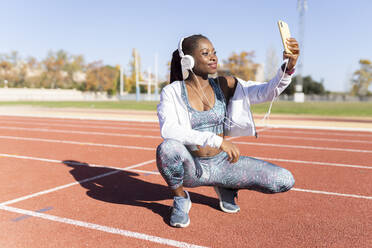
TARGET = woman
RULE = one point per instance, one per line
(192, 116)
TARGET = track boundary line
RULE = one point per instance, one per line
(77, 143)
(304, 147)
(278, 130)
(158, 137)
(294, 189)
(102, 228)
(80, 132)
(317, 163)
(117, 169)
(149, 128)
(316, 139)
(147, 148)
(85, 126)
(82, 117)
(88, 122)
(332, 193)
(73, 183)
(155, 120)
(84, 121)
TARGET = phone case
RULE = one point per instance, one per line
(284, 33)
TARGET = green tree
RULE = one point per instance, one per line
(309, 86)
(362, 78)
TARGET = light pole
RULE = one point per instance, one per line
(301, 8)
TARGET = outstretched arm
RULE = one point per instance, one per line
(262, 92)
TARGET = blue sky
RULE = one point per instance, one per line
(337, 33)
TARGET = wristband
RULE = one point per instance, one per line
(289, 72)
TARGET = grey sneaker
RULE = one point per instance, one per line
(180, 211)
(227, 199)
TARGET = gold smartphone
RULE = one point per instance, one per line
(284, 33)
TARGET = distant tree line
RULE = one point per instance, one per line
(66, 71)
(58, 70)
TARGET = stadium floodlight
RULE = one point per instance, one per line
(301, 8)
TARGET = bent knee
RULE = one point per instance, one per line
(169, 145)
(287, 181)
(284, 181)
(171, 151)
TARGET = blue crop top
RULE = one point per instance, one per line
(210, 120)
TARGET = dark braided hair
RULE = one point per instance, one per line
(189, 44)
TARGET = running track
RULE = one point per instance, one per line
(82, 183)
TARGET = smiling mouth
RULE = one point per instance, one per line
(214, 65)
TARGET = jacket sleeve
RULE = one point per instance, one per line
(171, 129)
(263, 92)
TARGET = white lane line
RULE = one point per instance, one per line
(262, 158)
(295, 189)
(139, 120)
(158, 137)
(79, 132)
(276, 130)
(84, 121)
(102, 228)
(66, 116)
(316, 139)
(77, 143)
(145, 171)
(81, 126)
(316, 163)
(132, 168)
(304, 147)
(61, 161)
(347, 129)
(332, 193)
(70, 184)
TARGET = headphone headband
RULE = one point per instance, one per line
(180, 47)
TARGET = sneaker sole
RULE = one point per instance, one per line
(179, 225)
(221, 203)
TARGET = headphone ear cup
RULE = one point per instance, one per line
(187, 62)
(185, 74)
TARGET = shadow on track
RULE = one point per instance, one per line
(124, 187)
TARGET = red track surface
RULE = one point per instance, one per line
(105, 211)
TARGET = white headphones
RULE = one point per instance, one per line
(187, 61)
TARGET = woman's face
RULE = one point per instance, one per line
(205, 58)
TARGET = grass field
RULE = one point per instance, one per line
(355, 109)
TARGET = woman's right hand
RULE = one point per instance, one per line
(231, 150)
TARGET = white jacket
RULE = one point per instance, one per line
(174, 118)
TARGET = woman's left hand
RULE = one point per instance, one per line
(295, 49)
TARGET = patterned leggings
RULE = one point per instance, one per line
(179, 168)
